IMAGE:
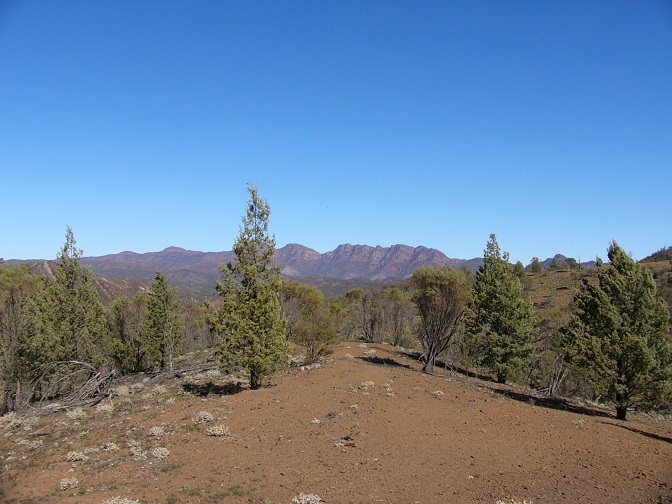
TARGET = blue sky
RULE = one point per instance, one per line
(139, 124)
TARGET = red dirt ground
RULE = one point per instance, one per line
(409, 438)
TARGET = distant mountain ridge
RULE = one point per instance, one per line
(334, 272)
(346, 262)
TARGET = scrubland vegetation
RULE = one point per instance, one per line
(600, 334)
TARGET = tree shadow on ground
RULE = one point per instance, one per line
(651, 435)
(384, 361)
(203, 389)
(558, 403)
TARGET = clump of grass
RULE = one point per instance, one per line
(315, 421)
(512, 501)
(306, 499)
(74, 456)
(67, 483)
(203, 417)
(218, 431)
(75, 414)
(160, 452)
(437, 393)
(156, 432)
(367, 385)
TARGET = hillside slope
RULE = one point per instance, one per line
(351, 430)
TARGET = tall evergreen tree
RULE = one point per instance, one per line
(620, 335)
(68, 320)
(17, 286)
(251, 331)
(501, 323)
(125, 317)
(163, 328)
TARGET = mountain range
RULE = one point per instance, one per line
(343, 268)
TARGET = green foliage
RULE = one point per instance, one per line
(310, 322)
(251, 331)
(620, 335)
(441, 296)
(163, 329)
(365, 308)
(664, 254)
(17, 286)
(67, 321)
(501, 323)
(535, 265)
(398, 311)
(128, 346)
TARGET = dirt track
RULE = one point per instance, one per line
(408, 438)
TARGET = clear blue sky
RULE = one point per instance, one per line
(139, 124)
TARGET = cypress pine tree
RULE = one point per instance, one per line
(501, 323)
(163, 328)
(251, 331)
(67, 319)
(620, 335)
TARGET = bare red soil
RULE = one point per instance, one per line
(351, 430)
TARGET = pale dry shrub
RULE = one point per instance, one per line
(306, 499)
(218, 431)
(437, 393)
(106, 407)
(75, 414)
(160, 452)
(122, 390)
(31, 444)
(203, 417)
(138, 453)
(74, 456)
(110, 447)
(367, 385)
(156, 432)
(159, 389)
(119, 500)
(67, 483)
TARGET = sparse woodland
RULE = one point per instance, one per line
(601, 334)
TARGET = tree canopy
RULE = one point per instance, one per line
(441, 296)
(501, 323)
(251, 331)
(620, 335)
